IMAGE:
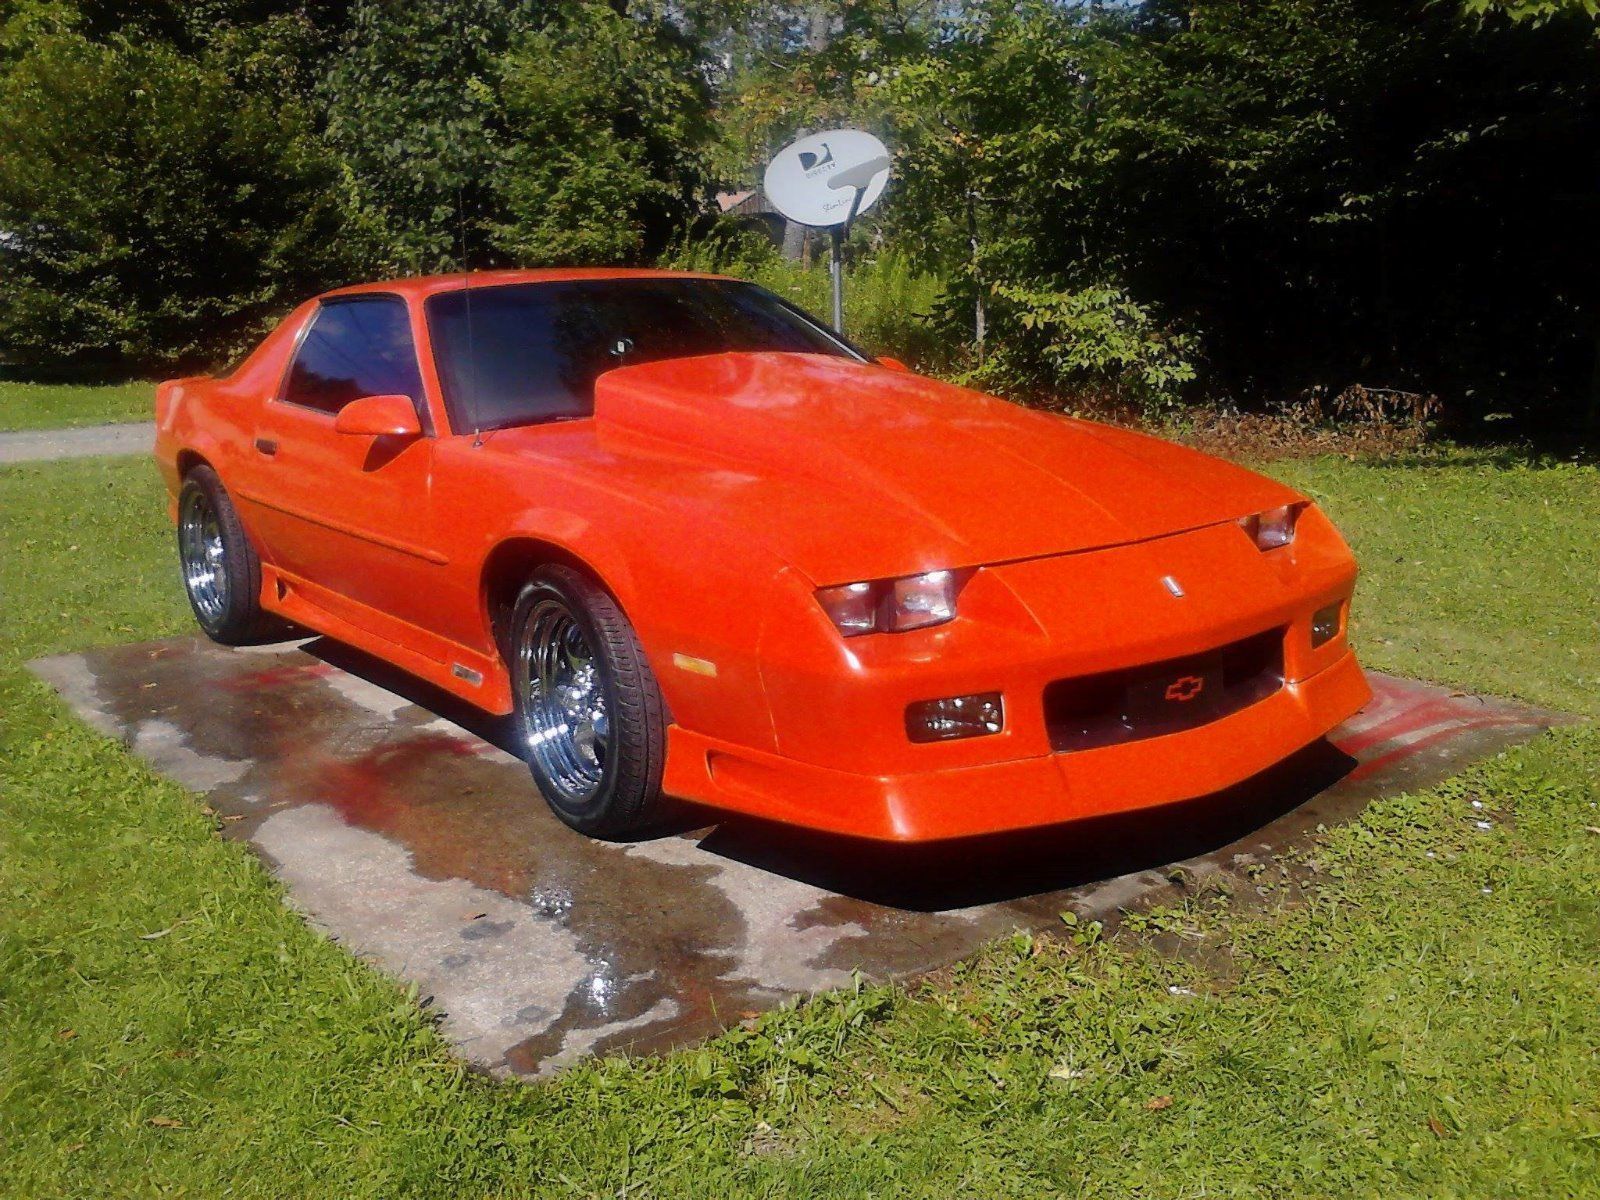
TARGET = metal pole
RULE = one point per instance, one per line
(840, 232)
(836, 270)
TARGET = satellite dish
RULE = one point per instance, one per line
(827, 179)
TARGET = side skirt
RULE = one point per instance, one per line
(479, 679)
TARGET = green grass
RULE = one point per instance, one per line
(1424, 1019)
(1476, 570)
(60, 405)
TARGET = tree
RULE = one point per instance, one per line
(998, 180)
(159, 211)
(478, 130)
(414, 114)
(173, 174)
(1534, 11)
(805, 66)
(1327, 193)
(608, 116)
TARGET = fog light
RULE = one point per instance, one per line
(1325, 624)
(955, 717)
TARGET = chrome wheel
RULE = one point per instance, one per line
(205, 569)
(564, 720)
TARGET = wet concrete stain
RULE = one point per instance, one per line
(404, 826)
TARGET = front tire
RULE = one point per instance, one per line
(221, 572)
(588, 708)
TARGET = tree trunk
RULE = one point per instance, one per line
(980, 318)
(794, 241)
(819, 28)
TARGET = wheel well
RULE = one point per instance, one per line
(188, 460)
(508, 568)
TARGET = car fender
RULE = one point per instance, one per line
(699, 616)
(574, 539)
(190, 427)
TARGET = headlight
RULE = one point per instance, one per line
(892, 605)
(1273, 528)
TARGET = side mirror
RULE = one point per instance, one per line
(379, 416)
(894, 364)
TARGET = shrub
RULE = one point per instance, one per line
(608, 114)
(1047, 345)
(157, 212)
(476, 131)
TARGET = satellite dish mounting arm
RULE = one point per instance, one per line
(836, 262)
(856, 178)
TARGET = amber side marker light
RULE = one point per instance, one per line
(1325, 623)
(956, 717)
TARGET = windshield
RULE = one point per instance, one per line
(530, 352)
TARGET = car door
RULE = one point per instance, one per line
(348, 517)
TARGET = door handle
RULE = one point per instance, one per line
(267, 446)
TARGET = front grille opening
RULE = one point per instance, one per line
(1165, 697)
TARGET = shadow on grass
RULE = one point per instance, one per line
(81, 375)
(1501, 456)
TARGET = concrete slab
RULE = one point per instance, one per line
(402, 825)
(87, 441)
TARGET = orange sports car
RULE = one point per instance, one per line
(701, 546)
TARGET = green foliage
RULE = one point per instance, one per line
(1324, 193)
(194, 26)
(994, 133)
(889, 302)
(24, 23)
(608, 114)
(1535, 11)
(172, 175)
(159, 211)
(1319, 193)
(1046, 343)
(727, 247)
(804, 67)
(985, 128)
(472, 130)
(414, 113)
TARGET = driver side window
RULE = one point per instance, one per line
(355, 348)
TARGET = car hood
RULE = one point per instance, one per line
(853, 470)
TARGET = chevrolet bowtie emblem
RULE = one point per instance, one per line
(1185, 688)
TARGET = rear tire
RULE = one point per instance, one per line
(221, 571)
(589, 712)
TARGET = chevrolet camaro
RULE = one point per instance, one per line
(696, 545)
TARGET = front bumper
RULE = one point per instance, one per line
(997, 797)
(841, 759)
